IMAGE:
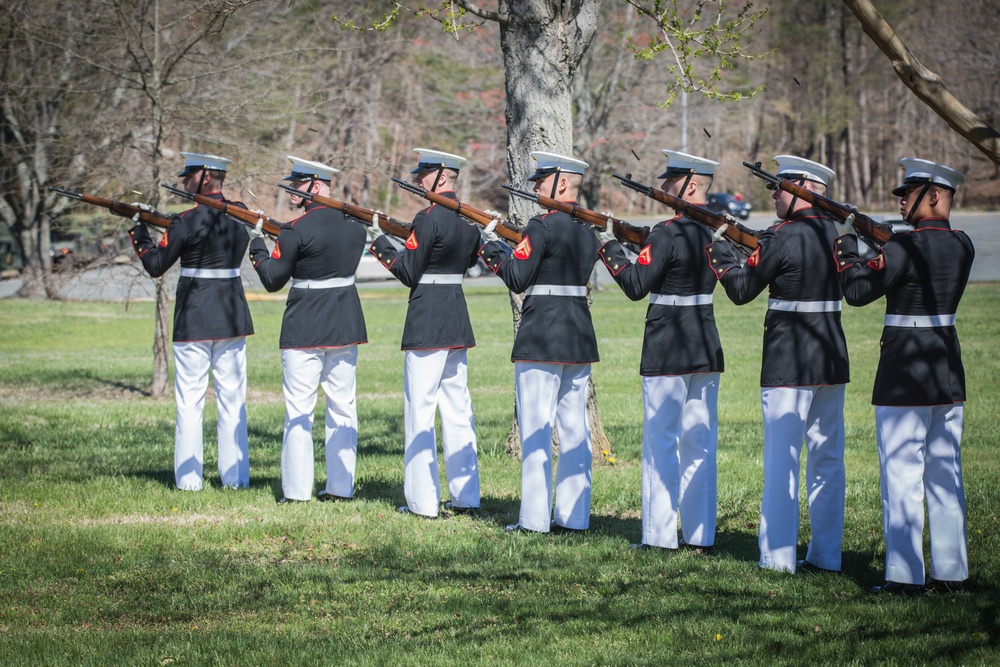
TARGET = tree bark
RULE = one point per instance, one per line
(161, 340)
(543, 42)
(925, 84)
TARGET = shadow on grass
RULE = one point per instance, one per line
(76, 379)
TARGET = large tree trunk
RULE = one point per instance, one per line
(36, 249)
(925, 84)
(542, 42)
(161, 339)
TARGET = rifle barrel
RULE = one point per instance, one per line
(116, 207)
(743, 237)
(872, 231)
(481, 218)
(271, 227)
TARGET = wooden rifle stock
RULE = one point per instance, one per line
(875, 233)
(481, 218)
(630, 234)
(365, 216)
(744, 237)
(271, 227)
(117, 207)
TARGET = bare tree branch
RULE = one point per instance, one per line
(925, 84)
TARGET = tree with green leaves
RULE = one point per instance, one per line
(543, 43)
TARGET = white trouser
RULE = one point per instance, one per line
(919, 454)
(679, 440)
(817, 415)
(438, 380)
(553, 395)
(227, 361)
(304, 370)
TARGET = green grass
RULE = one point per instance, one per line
(103, 562)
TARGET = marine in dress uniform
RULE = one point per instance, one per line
(804, 370)
(919, 393)
(553, 349)
(680, 366)
(211, 322)
(318, 253)
(436, 337)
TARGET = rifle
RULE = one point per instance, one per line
(874, 233)
(741, 235)
(118, 208)
(482, 218)
(271, 227)
(365, 216)
(632, 235)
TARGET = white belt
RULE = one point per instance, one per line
(920, 321)
(674, 300)
(210, 273)
(328, 283)
(803, 306)
(556, 290)
(441, 279)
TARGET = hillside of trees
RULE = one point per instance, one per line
(102, 95)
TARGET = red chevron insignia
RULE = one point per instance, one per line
(645, 257)
(523, 249)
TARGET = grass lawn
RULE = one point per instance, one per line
(103, 562)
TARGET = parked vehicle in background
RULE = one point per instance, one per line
(64, 249)
(11, 261)
(724, 202)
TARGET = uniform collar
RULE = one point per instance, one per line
(937, 223)
(803, 213)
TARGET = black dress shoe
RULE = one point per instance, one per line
(517, 528)
(805, 566)
(406, 510)
(460, 510)
(648, 547)
(563, 530)
(696, 549)
(896, 588)
(325, 497)
(941, 586)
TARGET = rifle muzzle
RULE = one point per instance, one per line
(65, 193)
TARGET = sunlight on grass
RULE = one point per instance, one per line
(102, 561)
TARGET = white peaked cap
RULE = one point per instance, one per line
(796, 168)
(306, 169)
(917, 172)
(550, 163)
(682, 164)
(197, 161)
(431, 160)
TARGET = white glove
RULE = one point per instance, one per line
(374, 231)
(487, 231)
(256, 232)
(846, 226)
(142, 207)
(720, 232)
(608, 234)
